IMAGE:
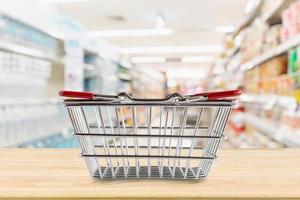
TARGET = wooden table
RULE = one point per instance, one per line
(60, 174)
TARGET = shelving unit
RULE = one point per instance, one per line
(268, 83)
(283, 136)
(274, 16)
(282, 48)
(249, 18)
(15, 48)
(32, 63)
(91, 67)
(270, 100)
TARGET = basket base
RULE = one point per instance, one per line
(152, 172)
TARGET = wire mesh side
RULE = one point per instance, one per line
(217, 128)
(149, 141)
(80, 125)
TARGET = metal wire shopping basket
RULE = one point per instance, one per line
(172, 138)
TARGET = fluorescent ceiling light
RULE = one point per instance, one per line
(160, 22)
(148, 59)
(132, 32)
(186, 73)
(197, 59)
(60, 1)
(170, 49)
(225, 29)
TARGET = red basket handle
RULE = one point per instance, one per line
(208, 95)
(75, 94)
(220, 94)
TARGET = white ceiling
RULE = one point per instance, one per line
(193, 20)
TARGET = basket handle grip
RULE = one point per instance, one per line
(220, 94)
(75, 94)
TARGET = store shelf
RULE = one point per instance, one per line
(31, 139)
(15, 48)
(269, 101)
(283, 136)
(282, 48)
(91, 52)
(274, 16)
(29, 101)
(231, 55)
(248, 20)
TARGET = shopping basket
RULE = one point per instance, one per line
(172, 138)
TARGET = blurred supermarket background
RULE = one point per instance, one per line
(150, 48)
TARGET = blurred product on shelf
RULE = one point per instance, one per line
(125, 78)
(25, 121)
(269, 78)
(16, 32)
(262, 58)
(291, 21)
(294, 63)
(28, 60)
(272, 37)
(34, 65)
(148, 83)
(23, 76)
(53, 141)
(253, 41)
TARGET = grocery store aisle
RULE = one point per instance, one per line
(149, 49)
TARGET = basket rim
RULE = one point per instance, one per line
(204, 103)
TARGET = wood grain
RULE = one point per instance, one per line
(236, 174)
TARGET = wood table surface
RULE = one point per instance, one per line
(61, 173)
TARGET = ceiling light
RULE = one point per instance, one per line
(225, 29)
(197, 59)
(160, 22)
(170, 49)
(148, 59)
(186, 73)
(60, 1)
(132, 32)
